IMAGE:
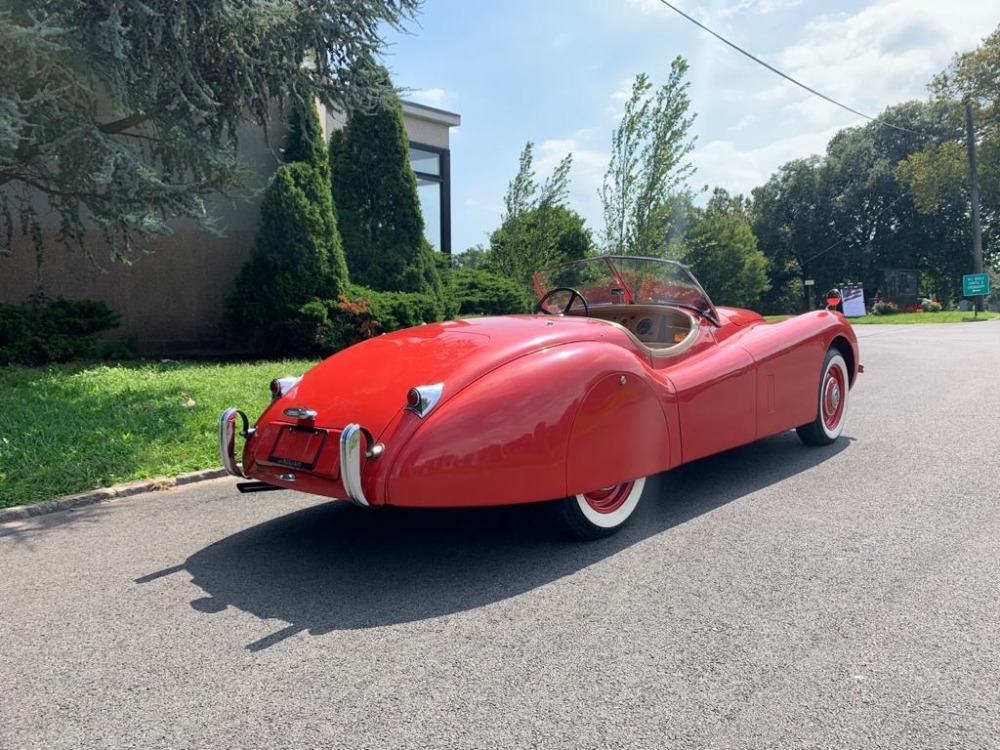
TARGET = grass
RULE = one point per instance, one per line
(945, 316)
(70, 428)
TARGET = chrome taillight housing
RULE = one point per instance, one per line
(423, 398)
(281, 386)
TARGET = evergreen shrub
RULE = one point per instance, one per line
(884, 307)
(477, 292)
(57, 331)
(362, 313)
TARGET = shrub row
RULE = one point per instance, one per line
(52, 331)
(324, 326)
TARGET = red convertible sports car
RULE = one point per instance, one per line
(625, 370)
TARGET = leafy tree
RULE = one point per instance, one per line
(126, 114)
(850, 215)
(538, 229)
(790, 220)
(375, 192)
(647, 167)
(938, 176)
(473, 257)
(723, 254)
(298, 256)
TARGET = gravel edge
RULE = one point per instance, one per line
(108, 493)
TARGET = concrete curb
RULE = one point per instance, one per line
(108, 493)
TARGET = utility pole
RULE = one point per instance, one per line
(977, 230)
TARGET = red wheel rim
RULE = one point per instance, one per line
(609, 499)
(834, 396)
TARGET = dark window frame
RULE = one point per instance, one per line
(444, 182)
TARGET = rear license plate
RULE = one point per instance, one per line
(298, 447)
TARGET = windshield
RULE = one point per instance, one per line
(624, 280)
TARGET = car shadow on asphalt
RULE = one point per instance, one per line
(336, 567)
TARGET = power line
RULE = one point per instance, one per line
(787, 77)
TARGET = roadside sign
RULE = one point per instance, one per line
(809, 282)
(975, 284)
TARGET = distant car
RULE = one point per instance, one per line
(625, 370)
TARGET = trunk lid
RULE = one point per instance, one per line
(367, 383)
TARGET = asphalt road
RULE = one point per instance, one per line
(771, 597)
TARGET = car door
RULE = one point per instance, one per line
(716, 396)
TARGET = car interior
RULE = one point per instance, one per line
(661, 330)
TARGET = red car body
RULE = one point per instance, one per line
(531, 408)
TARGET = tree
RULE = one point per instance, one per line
(790, 223)
(298, 256)
(125, 115)
(938, 176)
(850, 215)
(474, 257)
(375, 192)
(537, 228)
(647, 165)
(723, 254)
(304, 139)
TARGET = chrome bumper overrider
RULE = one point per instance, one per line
(350, 463)
(227, 440)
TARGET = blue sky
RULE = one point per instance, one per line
(556, 72)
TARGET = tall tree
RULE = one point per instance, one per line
(294, 261)
(848, 216)
(375, 192)
(938, 176)
(647, 167)
(298, 255)
(126, 114)
(723, 254)
(538, 229)
(790, 221)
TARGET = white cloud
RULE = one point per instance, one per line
(722, 164)
(483, 207)
(650, 6)
(744, 123)
(758, 7)
(431, 97)
(882, 55)
(586, 174)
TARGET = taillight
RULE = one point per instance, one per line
(281, 386)
(423, 398)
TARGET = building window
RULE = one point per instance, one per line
(432, 168)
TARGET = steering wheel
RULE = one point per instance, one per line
(573, 295)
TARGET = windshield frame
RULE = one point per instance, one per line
(616, 280)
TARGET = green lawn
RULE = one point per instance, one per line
(945, 316)
(949, 316)
(71, 428)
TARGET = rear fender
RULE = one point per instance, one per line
(507, 437)
(620, 433)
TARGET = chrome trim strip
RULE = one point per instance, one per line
(227, 441)
(350, 464)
